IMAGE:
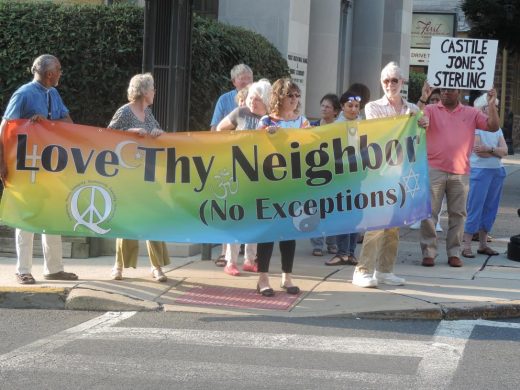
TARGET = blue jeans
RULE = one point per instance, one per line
(317, 243)
(346, 244)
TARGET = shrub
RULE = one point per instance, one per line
(415, 84)
(100, 48)
(216, 48)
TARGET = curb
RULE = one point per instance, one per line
(491, 310)
(33, 298)
(96, 300)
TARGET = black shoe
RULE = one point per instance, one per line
(293, 290)
(266, 292)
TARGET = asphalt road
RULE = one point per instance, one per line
(43, 349)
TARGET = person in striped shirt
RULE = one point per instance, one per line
(379, 251)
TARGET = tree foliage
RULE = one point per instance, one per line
(495, 19)
(100, 48)
(415, 84)
(216, 48)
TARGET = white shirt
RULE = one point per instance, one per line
(382, 108)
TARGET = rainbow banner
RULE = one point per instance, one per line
(238, 186)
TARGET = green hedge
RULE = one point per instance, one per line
(415, 84)
(216, 48)
(100, 48)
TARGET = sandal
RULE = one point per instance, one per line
(351, 260)
(317, 252)
(477, 239)
(337, 260)
(487, 251)
(25, 279)
(221, 261)
(467, 253)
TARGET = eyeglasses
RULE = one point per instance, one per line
(291, 95)
(354, 98)
(447, 90)
(393, 81)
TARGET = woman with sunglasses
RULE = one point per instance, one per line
(379, 251)
(284, 112)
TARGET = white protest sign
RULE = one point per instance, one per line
(462, 63)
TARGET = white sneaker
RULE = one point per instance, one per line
(415, 225)
(117, 274)
(389, 278)
(159, 275)
(361, 279)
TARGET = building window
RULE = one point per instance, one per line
(206, 8)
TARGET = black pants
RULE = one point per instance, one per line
(264, 251)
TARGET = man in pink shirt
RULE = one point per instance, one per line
(450, 135)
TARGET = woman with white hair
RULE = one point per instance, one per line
(246, 118)
(485, 185)
(137, 117)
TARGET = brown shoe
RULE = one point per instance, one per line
(454, 261)
(25, 279)
(428, 262)
(61, 275)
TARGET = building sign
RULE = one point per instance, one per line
(427, 25)
(419, 57)
(298, 70)
(462, 63)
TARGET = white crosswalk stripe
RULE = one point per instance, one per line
(439, 357)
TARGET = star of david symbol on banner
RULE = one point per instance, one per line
(411, 182)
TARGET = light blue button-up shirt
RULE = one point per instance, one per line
(32, 99)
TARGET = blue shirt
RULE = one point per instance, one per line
(32, 99)
(299, 123)
(225, 104)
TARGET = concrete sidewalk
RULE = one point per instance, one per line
(486, 287)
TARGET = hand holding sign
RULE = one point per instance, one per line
(462, 63)
(492, 97)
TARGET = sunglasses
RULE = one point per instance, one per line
(393, 81)
(354, 98)
(291, 95)
(447, 90)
